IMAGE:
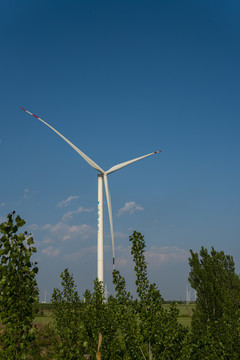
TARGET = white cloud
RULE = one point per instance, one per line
(47, 241)
(2, 204)
(67, 216)
(84, 252)
(28, 193)
(130, 207)
(33, 227)
(66, 232)
(158, 256)
(155, 256)
(50, 251)
(123, 255)
(66, 202)
(46, 227)
(63, 231)
(120, 235)
(121, 261)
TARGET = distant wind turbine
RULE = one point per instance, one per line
(102, 175)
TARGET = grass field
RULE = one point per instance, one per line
(42, 320)
(185, 314)
(185, 321)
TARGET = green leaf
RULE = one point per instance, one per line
(4, 228)
(20, 222)
(3, 260)
(18, 292)
(21, 237)
(30, 241)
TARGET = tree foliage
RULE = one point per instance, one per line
(137, 329)
(118, 327)
(66, 314)
(161, 334)
(215, 322)
(18, 289)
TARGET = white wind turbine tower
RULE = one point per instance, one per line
(102, 175)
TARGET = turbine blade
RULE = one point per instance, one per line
(110, 214)
(119, 166)
(84, 156)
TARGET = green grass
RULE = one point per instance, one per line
(44, 317)
(42, 320)
(185, 321)
(185, 313)
(184, 318)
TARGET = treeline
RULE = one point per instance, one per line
(48, 306)
(118, 328)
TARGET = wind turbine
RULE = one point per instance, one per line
(102, 175)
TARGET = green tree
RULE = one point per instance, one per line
(18, 289)
(100, 317)
(161, 336)
(126, 315)
(68, 343)
(130, 330)
(215, 321)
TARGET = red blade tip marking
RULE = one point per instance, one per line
(22, 108)
(35, 116)
(156, 152)
(113, 261)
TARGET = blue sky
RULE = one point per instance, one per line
(121, 79)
